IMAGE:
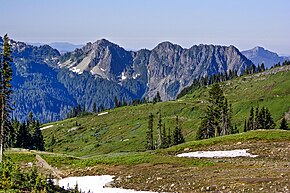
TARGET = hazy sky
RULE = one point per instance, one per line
(138, 24)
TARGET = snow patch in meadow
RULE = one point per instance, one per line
(218, 154)
(104, 113)
(94, 184)
(46, 127)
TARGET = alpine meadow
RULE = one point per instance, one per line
(166, 96)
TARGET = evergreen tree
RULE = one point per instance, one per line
(164, 137)
(31, 119)
(283, 124)
(23, 137)
(38, 142)
(251, 119)
(269, 123)
(216, 99)
(169, 138)
(264, 119)
(157, 98)
(5, 90)
(159, 131)
(177, 134)
(217, 119)
(245, 126)
(149, 134)
(116, 102)
(31, 125)
(235, 130)
(226, 116)
(16, 126)
(94, 108)
(256, 123)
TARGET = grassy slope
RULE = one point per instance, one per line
(163, 156)
(124, 129)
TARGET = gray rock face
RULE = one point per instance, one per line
(166, 69)
(171, 68)
(259, 55)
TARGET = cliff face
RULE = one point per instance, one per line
(171, 68)
(167, 69)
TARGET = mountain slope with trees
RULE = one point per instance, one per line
(125, 128)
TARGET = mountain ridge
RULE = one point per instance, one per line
(101, 71)
(100, 57)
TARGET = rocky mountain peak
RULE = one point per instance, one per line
(104, 43)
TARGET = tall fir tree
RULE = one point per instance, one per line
(177, 134)
(5, 90)
(245, 126)
(256, 123)
(164, 137)
(251, 120)
(38, 142)
(149, 134)
(216, 100)
(169, 137)
(23, 137)
(94, 108)
(265, 120)
(159, 131)
(218, 116)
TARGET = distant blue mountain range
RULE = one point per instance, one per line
(259, 55)
(62, 47)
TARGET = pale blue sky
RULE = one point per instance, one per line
(138, 24)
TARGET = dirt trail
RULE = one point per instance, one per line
(43, 164)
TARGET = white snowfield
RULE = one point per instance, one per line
(104, 113)
(218, 154)
(95, 184)
(46, 127)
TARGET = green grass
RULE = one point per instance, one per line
(127, 159)
(124, 129)
(20, 157)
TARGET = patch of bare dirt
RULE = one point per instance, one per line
(43, 165)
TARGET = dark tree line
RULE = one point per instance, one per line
(77, 111)
(221, 77)
(26, 135)
(165, 137)
(218, 116)
(285, 63)
(260, 119)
